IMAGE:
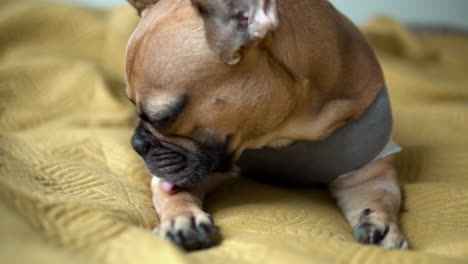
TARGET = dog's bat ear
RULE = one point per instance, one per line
(140, 5)
(232, 25)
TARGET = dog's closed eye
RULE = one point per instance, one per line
(163, 118)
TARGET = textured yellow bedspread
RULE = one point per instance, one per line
(73, 191)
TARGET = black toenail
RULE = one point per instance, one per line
(179, 238)
(385, 231)
(203, 230)
(367, 212)
(169, 236)
(375, 237)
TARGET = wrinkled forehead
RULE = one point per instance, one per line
(166, 49)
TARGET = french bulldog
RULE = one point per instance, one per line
(285, 91)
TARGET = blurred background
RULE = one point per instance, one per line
(447, 12)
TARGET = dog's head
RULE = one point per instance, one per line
(203, 83)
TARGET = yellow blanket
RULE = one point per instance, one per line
(73, 191)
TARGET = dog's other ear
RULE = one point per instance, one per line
(231, 25)
(140, 5)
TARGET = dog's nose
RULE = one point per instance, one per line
(140, 145)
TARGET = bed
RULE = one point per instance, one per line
(73, 191)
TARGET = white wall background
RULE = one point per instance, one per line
(450, 12)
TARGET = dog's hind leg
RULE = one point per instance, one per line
(370, 200)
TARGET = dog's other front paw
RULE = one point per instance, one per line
(191, 232)
(375, 231)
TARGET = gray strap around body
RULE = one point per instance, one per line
(314, 162)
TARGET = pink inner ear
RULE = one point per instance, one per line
(266, 6)
(271, 12)
(263, 18)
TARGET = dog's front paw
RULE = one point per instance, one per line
(376, 231)
(191, 232)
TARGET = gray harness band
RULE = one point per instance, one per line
(347, 149)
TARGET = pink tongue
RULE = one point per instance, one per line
(169, 187)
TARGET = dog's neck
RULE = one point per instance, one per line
(306, 47)
(335, 71)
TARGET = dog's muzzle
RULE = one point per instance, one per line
(175, 164)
